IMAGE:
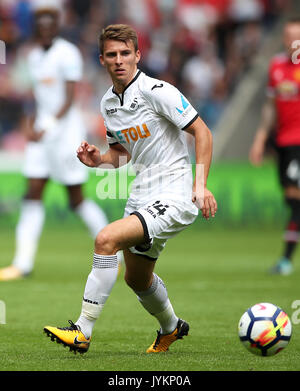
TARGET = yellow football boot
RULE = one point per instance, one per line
(69, 336)
(10, 273)
(163, 341)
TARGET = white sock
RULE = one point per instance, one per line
(120, 256)
(92, 215)
(155, 300)
(28, 232)
(98, 287)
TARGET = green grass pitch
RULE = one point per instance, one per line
(213, 275)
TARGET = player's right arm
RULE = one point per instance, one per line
(268, 117)
(114, 157)
(27, 123)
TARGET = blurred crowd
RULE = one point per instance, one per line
(201, 46)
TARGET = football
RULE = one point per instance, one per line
(264, 329)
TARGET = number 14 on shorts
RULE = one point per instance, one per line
(157, 209)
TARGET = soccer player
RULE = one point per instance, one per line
(54, 132)
(145, 120)
(282, 110)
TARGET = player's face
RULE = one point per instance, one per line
(291, 34)
(46, 29)
(120, 59)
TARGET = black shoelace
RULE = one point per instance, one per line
(157, 339)
(71, 327)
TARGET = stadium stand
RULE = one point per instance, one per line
(206, 55)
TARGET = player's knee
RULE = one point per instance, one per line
(74, 204)
(292, 193)
(294, 205)
(35, 189)
(33, 194)
(75, 196)
(105, 243)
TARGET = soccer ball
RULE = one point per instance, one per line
(265, 329)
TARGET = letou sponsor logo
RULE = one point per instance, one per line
(132, 134)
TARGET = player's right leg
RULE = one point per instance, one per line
(116, 236)
(28, 231)
(31, 220)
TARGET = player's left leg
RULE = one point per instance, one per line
(90, 213)
(292, 233)
(152, 294)
(162, 220)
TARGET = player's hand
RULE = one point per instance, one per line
(89, 154)
(256, 153)
(205, 201)
(32, 135)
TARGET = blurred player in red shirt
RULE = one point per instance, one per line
(282, 112)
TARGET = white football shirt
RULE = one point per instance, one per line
(49, 70)
(148, 120)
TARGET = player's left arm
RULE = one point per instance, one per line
(168, 102)
(202, 197)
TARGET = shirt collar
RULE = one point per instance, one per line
(121, 96)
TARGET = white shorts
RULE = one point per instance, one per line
(162, 219)
(57, 159)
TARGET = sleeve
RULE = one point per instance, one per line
(72, 64)
(110, 138)
(169, 102)
(28, 71)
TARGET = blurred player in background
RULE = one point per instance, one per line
(145, 119)
(282, 110)
(54, 132)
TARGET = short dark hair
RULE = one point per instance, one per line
(53, 12)
(118, 32)
(293, 19)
